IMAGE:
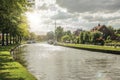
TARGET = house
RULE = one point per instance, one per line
(106, 32)
(77, 32)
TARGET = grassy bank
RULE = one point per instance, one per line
(107, 49)
(10, 69)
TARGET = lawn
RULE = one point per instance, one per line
(95, 47)
(10, 69)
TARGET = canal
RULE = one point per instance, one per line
(49, 62)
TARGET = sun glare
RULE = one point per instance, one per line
(34, 17)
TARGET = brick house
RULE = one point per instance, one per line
(106, 32)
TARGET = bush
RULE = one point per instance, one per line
(66, 38)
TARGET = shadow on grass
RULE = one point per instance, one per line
(4, 55)
(9, 68)
(15, 79)
(3, 77)
(7, 48)
(4, 66)
(5, 59)
(4, 74)
(4, 48)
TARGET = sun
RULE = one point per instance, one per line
(34, 17)
(34, 20)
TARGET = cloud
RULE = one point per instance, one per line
(89, 5)
(62, 15)
(115, 23)
(44, 4)
(102, 17)
(43, 7)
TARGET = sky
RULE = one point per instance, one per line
(73, 14)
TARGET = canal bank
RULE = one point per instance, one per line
(96, 48)
(10, 69)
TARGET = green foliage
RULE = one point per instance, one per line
(118, 35)
(95, 36)
(68, 33)
(73, 38)
(111, 29)
(86, 37)
(118, 31)
(108, 40)
(32, 36)
(66, 38)
(81, 37)
(59, 33)
(12, 18)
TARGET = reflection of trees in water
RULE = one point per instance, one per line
(18, 55)
(102, 67)
(100, 64)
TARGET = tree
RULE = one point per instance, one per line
(66, 38)
(81, 37)
(95, 37)
(68, 33)
(86, 37)
(32, 36)
(111, 29)
(108, 39)
(59, 33)
(10, 16)
(50, 35)
(118, 31)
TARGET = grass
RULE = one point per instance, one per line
(95, 47)
(10, 69)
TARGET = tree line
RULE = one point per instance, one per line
(80, 37)
(13, 23)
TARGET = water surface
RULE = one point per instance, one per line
(48, 62)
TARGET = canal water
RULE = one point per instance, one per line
(49, 62)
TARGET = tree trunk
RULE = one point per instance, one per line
(20, 39)
(13, 39)
(10, 39)
(17, 39)
(3, 39)
(7, 39)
